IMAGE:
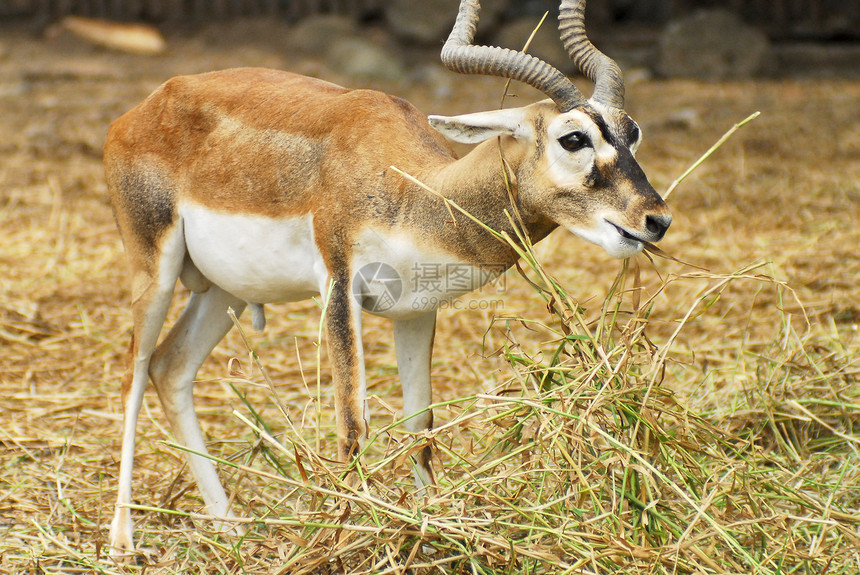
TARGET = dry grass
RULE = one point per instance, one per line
(709, 428)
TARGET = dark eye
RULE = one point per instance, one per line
(574, 141)
(633, 137)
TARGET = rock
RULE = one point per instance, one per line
(546, 44)
(357, 57)
(712, 45)
(438, 81)
(316, 34)
(343, 48)
(421, 22)
(430, 21)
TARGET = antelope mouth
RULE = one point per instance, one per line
(624, 233)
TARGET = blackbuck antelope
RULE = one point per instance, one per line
(254, 186)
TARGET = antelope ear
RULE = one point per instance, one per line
(475, 128)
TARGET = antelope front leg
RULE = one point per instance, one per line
(413, 341)
(346, 353)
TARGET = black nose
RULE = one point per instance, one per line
(657, 226)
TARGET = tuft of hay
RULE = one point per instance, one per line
(582, 462)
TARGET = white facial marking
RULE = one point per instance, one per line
(608, 236)
(566, 168)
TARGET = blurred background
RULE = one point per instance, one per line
(730, 38)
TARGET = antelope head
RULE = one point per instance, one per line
(578, 165)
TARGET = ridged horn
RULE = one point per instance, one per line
(460, 55)
(597, 66)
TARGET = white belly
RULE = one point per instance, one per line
(255, 258)
(266, 260)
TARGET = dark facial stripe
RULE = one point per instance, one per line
(602, 126)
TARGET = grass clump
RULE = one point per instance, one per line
(584, 460)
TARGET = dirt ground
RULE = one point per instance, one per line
(784, 193)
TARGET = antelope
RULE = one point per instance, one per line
(254, 186)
